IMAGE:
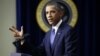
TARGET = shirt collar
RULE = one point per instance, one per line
(57, 25)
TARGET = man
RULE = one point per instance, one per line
(57, 42)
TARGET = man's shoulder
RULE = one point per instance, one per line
(65, 26)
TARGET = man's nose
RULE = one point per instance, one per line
(49, 15)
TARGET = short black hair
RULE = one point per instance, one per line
(56, 4)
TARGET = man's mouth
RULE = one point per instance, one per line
(50, 21)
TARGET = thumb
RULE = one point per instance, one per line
(22, 29)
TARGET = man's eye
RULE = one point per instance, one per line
(53, 11)
(46, 12)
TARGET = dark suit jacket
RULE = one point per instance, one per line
(65, 44)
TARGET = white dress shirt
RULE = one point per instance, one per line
(57, 26)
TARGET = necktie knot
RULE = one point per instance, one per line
(53, 31)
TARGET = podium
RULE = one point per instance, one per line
(20, 54)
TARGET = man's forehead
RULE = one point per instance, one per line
(51, 7)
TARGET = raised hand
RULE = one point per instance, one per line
(17, 34)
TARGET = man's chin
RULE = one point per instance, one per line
(51, 23)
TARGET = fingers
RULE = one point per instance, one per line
(17, 33)
(13, 29)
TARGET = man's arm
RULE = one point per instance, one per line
(71, 44)
(24, 44)
(28, 47)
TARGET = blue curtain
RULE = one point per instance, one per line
(26, 10)
(86, 26)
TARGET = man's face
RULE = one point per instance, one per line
(52, 14)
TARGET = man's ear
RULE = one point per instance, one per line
(61, 13)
